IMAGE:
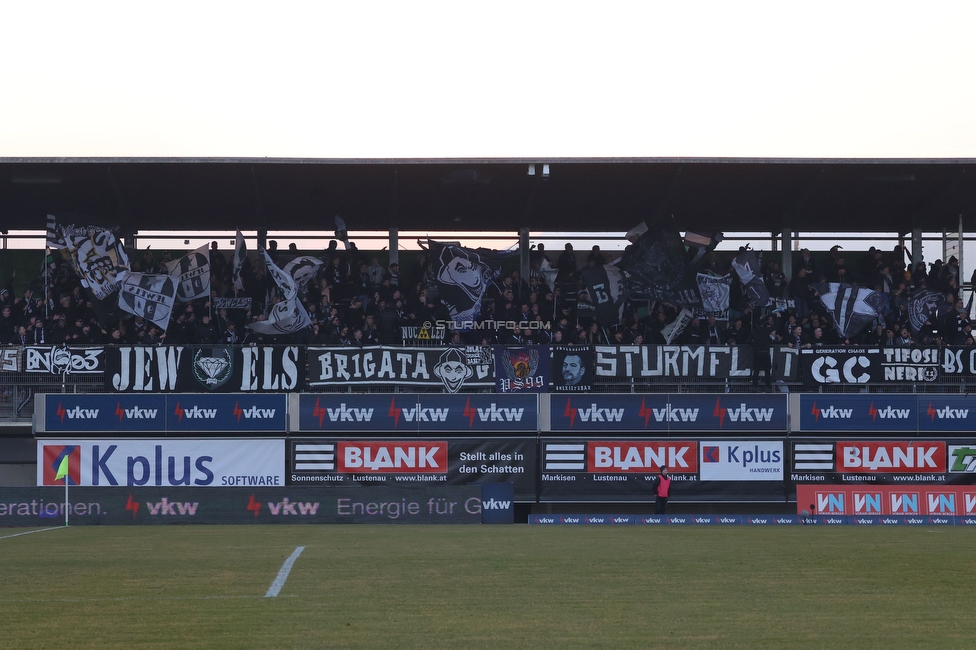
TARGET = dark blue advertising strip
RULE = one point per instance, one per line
(459, 414)
(842, 412)
(947, 413)
(104, 413)
(337, 462)
(695, 520)
(237, 413)
(108, 415)
(669, 413)
(45, 506)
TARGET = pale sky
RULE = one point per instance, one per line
(488, 79)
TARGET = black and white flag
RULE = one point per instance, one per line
(54, 238)
(99, 259)
(656, 267)
(851, 308)
(715, 291)
(149, 295)
(605, 286)
(303, 269)
(192, 274)
(289, 315)
(240, 256)
(746, 266)
(922, 306)
(459, 278)
(674, 329)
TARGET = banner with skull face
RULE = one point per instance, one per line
(459, 278)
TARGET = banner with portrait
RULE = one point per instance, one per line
(572, 368)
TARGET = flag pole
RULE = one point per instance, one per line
(65, 501)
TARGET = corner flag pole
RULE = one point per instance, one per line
(63, 474)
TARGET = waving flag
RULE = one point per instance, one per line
(656, 267)
(192, 274)
(746, 266)
(240, 256)
(851, 308)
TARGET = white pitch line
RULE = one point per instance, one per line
(40, 530)
(283, 573)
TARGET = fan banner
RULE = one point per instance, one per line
(521, 370)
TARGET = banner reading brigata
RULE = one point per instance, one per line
(186, 369)
(452, 461)
(450, 369)
(176, 462)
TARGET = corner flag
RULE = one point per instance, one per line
(62, 470)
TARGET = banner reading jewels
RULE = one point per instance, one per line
(688, 362)
(449, 369)
(192, 369)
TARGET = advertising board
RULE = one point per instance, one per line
(172, 462)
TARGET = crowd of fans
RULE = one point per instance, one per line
(356, 300)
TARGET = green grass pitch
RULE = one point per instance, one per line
(488, 587)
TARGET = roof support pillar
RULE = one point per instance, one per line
(394, 247)
(263, 238)
(524, 254)
(786, 265)
(917, 247)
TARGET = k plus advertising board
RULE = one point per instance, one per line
(457, 414)
(452, 461)
(223, 412)
(668, 413)
(741, 460)
(174, 462)
(835, 413)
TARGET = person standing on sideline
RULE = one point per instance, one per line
(662, 489)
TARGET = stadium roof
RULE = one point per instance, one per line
(587, 195)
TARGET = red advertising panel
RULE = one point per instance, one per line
(907, 500)
(891, 457)
(680, 457)
(400, 457)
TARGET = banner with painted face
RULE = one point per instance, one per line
(459, 278)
